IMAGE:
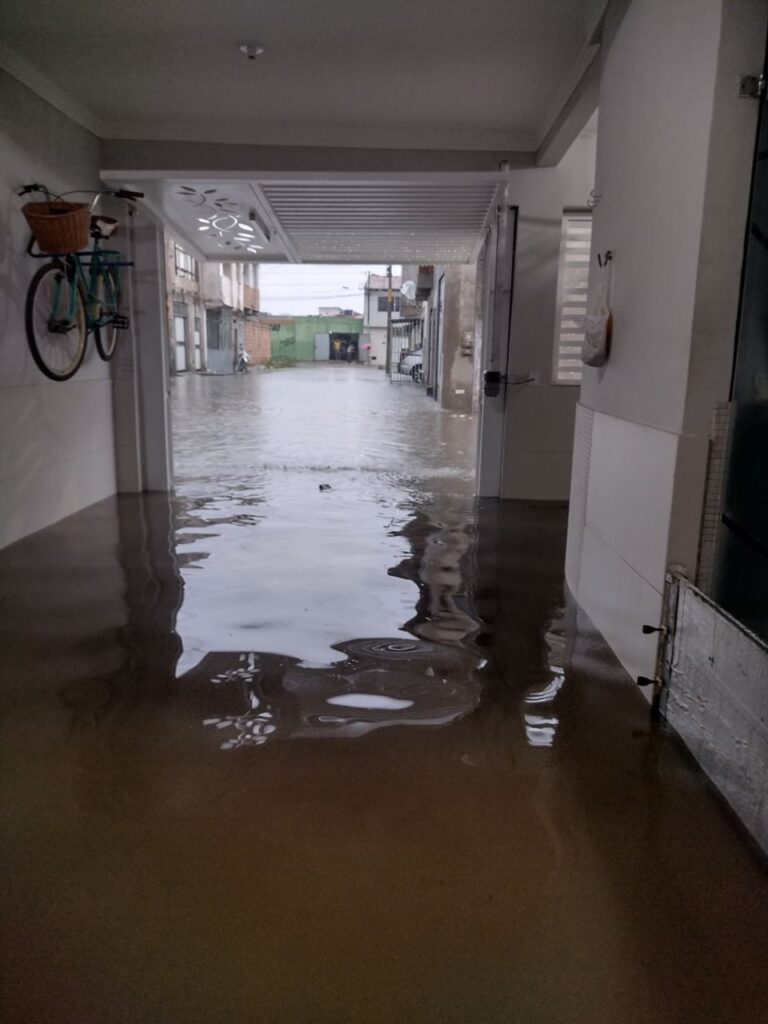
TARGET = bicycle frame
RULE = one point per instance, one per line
(94, 260)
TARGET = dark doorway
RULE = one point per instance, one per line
(344, 348)
(741, 584)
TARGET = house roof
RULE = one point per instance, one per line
(378, 282)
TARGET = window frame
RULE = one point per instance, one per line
(180, 259)
(570, 214)
(382, 304)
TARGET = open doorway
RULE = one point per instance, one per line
(319, 505)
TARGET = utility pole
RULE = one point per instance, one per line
(389, 320)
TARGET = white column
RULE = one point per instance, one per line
(150, 355)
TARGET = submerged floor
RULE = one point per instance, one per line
(272, 753)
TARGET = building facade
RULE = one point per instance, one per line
(445, 299)
(185, 309)
(213, 313)
(257, 335)
(375, 315)
(309, 339)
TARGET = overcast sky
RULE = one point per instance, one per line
(299, 288)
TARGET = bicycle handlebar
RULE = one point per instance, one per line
(121, 193)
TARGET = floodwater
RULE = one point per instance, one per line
(272, 753)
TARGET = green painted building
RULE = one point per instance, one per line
(310, 338)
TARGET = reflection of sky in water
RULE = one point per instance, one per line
(272, 563)
(370, 701)
(540, 731)
(281, 588)
(541, 728)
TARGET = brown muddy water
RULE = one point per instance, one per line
(277, 754)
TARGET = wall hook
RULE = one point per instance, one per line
(605, 259)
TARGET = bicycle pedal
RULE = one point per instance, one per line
(122, 323)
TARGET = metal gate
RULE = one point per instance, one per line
(711, 688)
(406, 351)
(220, 359)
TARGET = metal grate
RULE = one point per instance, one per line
(406, 363)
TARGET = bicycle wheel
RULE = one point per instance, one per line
(105, 306)
(56, 321)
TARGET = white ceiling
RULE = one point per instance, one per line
(440, 220)
(431, 74)
(466, 80)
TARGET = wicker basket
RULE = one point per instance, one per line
(58, 226)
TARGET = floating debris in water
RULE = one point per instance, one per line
(325, 487)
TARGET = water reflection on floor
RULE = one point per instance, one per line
(272, 753)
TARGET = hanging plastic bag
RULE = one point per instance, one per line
(598, 323)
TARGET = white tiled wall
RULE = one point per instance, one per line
(56, 438)
(538, 442)
(618, 598)
(631, 480)
(617, 571)
(577, 508)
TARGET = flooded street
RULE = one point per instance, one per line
(291, 569)
(322, 739)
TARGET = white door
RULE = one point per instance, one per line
(322, 347)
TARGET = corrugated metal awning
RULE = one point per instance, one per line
(399, 221)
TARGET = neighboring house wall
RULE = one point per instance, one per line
(458, 337)
(251, 297)
(258, 340)
(223, 296)
(538, 425)
(184, 299)
(283, 338)
(294, 337)
(375, 319)
(673, 170)
(57, 453)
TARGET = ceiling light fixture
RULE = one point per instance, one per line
(251, 49)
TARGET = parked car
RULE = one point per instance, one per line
(411, 364)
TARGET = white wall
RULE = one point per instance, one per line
(56, 438)
(375, 317)
(375, 324)
(673, 169)
(539, 418)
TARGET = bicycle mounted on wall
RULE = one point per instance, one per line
(78, 291)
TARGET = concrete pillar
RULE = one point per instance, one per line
(141, 369)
